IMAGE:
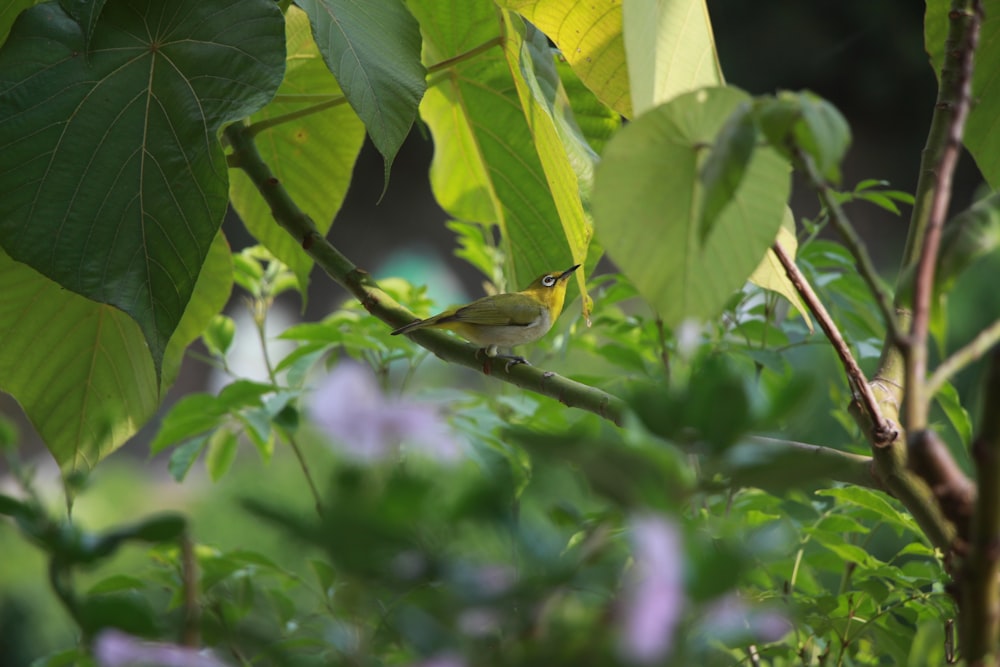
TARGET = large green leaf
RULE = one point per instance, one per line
(313, 156)
(373, 48)
(80, 369)
(486, 167)
(567, 159)
(86, 13)
(670, 50)
(112, 181)
(589, 34)
(645, 207)
(982, 130)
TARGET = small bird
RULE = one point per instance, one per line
(507, 319)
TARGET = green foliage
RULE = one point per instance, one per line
(374, 51)
(96, 186)
(648, 188)
(982, 137)
(703, 526)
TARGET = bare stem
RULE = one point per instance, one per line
(883, 431)
(260, 319)
(962, 357)
(954, 101)
(189, 585)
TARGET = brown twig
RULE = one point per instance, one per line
(883, 430)
(954, 102)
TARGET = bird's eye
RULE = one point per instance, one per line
(549, 281)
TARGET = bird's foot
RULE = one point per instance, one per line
(488, 354)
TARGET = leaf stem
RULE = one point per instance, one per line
(267, 123)
(962, 357)
(883, 430)
(324, 102)
(465, 55)
(260, 320)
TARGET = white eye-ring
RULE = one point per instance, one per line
(549, 281)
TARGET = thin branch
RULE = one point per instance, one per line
(266, 124)
(883, 431)
(980, 603)
(953, 104)
(260, 320)
(189, 586)
(813, 461)
(359, 283)
(962, 357)
(854, 243)
(467, 55)
(324, 102)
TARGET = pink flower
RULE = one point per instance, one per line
(653, 598)
(113, 648)
(730, 617)
(442, 660)
(368, 426)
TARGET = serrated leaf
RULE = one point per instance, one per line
(112, 181)
(313, 156)
(869, 500)
(373, 48)
(670, 50)
(589, 35)
(645, 200)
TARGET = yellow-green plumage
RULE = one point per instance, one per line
(507, 319)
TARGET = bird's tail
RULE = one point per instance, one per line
(412, 326)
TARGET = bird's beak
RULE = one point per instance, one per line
(568, 272)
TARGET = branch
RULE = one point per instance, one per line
(962, 357)
(945, 144)
(854, 243)
(883, 430)
(980, 602)
(754, 464)
(359, 283)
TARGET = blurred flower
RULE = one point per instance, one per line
(730, 619)
(478, 622)
(368, 426)
(441, 660)
(113, 648)
(653, 598)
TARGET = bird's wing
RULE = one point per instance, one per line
(499, 310)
